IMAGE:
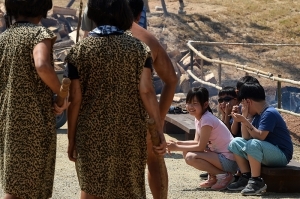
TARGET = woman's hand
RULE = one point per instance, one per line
(59, 110)
(161, 149)
(72, 153)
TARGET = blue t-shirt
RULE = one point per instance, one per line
(279, 135)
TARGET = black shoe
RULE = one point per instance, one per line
(254, 187)
(236, 178)
(238, 185)
(204, 175)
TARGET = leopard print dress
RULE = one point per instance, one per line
(27, 121)
(111, 129)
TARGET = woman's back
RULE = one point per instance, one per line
(112, 119)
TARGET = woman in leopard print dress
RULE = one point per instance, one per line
(111, 93)
(27, 120)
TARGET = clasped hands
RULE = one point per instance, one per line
(59, 110)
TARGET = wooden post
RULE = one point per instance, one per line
(191, 64)
(220, 74)
(279, 93)
(64, 91)
(163, 4)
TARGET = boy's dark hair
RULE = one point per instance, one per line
(228, 90)
(136, 7)
(244, 80)
(110, 12)
(253, 91)
(27, 8)
(201, 94)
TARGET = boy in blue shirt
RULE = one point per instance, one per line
(265, 140)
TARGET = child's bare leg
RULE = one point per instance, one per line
(204, 161)
(242, 163)
(255, 166)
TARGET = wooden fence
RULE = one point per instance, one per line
(245, 68)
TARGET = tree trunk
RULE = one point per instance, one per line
(163, 4)
(146, 4)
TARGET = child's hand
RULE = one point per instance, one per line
(222, 108)
(244, 108)
(238, 117)
(171, 146)
(235, 109)
(228, 108)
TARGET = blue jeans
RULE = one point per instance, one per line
(262, 151)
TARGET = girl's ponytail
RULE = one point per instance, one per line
(209, 109)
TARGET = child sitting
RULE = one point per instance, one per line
(208, 151)
(227, 100)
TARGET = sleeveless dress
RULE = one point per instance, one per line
(111, 129)
(27, 121)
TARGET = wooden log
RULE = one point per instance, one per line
(63, 44)
(64, 91)
(162, 166)
(64, 11)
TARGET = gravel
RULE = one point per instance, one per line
(183, 179)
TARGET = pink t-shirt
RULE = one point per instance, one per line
(220, 135)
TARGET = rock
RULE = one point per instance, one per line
(210, 77)
(158, 8)
(185, 61)
(175, 54)
(164, 45)
(184, 83)
(197, 71)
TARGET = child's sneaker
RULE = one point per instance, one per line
(223, 181)
(209, 182)
(254, 187)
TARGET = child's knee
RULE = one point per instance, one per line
(189, 158)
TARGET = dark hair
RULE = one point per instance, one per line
(201, 94)
(110, 12)
(253, 91)
(228, 90)
(27, 8)
(244, 80)
(136, 7)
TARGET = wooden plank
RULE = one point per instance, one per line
(64, 11)
(184, 121)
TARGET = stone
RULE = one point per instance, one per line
(184, 83)
(158, 8)
(210, 77)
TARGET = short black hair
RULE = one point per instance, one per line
(245, 79)
(253, 91)
(110, 12)
(136, 7)
(228, 90)
(202, 95)
(28, 8)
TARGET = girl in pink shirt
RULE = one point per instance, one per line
(208, 151)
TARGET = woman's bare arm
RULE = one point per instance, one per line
(42, 61)
(150, 102)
